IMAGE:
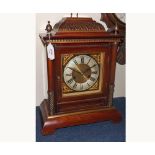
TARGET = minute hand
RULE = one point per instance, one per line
(81, 72)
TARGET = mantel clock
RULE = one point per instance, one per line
(81, 75)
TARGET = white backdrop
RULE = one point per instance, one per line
(17, 90)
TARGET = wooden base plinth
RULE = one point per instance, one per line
(51, 123)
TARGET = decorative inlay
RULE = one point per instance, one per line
(51, 102)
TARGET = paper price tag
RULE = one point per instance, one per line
(50, 52)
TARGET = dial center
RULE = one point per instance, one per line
(81, 73)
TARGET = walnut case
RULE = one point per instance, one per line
(71, 37)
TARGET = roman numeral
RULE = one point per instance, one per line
(75, 85)
(92, 79)
(70, 81)
(93, 66)
(68, 74)
(75, 62)
(94, 72)
(88, 84)
(82, 60)
(81, 86)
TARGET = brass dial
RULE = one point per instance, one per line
(81, 72)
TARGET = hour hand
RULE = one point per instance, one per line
(73, 69)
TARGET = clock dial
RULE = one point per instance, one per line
(81, 73)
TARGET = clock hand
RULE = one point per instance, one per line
(85, 77)
(81, 72)
(73, 69)
(78, 71)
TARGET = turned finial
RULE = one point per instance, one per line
(48, 27)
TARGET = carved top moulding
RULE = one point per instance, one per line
(72, 30)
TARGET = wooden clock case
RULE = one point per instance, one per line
(72, 36)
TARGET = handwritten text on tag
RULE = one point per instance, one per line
(50, 52)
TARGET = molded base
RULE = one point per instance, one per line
(52, 122)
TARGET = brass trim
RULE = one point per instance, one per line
(79, 112)
(54, 41)
(66, 58)
(84, 31)
(51, 102)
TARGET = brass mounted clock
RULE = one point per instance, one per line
(81, 77)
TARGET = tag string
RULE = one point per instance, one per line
(49, 37)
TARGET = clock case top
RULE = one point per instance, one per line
(77, 28)
(75, 35)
